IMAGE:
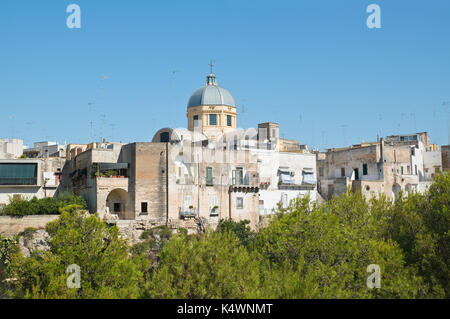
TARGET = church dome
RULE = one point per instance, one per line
(211, 94)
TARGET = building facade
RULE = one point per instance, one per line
(397, 163)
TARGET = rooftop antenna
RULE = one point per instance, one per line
(90, 120)
(112, 132)
(12, 117)
(380, 118)
(243, 112)
(402, 116)
(174, 98)
(103, 121)
(102, 88)
(28, 129)
(323, 140)
(434, 125)
(413, 117)
(300, 124)
(344, 126)
(447, 104)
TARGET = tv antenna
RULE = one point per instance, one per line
(344, 126)
(243, 111)
(174, 77)
(28, 129)
(112, 131)
(102, 126)
(402, 117)
(12, 117)
(90, 120)
(380, 119)
(447, 104)
(323, 140)
(413, 117)
(102, 116)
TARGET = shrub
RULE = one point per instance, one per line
(20, 206)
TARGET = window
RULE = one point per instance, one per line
(343, 172)
(238, 176)
(187, 205)
(286, 177)
(213, 119)
(195, 120)
(164, 137)
(320, 171)
(364, 169)
(239, 202)
(229, 120)
(116, 207)
(214, 205)
(144, 207)
(18, 174)
(209, 176)
(402, 169)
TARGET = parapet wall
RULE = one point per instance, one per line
(10, 226)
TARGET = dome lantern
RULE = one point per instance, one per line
(211, 79)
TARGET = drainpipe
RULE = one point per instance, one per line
(229, 203)
(382, 156)
(167, 184)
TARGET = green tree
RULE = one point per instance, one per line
(214, 265)
(420, 224)
(107, 270)
(8, 246)
(240, 229)
(323, 252)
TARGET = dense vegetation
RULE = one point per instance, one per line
(20, 206)
(319, 251)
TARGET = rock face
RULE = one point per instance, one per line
(37, 240)
(132, 229)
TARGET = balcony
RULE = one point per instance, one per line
(187, 213)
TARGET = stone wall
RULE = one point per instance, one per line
(445, 153)
(10, 226)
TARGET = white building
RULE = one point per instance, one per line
(284, 176)
(11, 148)
(46, 149)
(29, 178)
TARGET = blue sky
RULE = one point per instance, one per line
(312, 66)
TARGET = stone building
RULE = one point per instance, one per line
(29, 178)
(192, 177)
(45, 149)
(445, 153)
(401, 162)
